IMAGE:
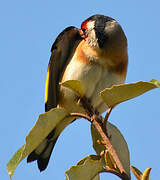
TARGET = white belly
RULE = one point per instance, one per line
(95, 78)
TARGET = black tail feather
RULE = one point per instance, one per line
(44, 156)
(43, 159)
(32, 157)
(42, 163)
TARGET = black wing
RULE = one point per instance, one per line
(62, 51)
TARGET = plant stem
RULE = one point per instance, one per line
(81, 115)
(110, 147)
(101, 126)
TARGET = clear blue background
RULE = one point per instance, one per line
(27, 31)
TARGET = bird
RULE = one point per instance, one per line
(97, 55)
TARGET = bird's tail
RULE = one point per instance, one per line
(43, 152)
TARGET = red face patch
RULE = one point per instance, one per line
(84, 28)
(84, 24)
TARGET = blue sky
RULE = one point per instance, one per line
(28, 29)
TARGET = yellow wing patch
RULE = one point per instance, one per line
(46, 87)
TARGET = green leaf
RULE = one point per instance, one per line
(118, 143)
(146, 174)
(96, 177)
(44, 125)
(12, 164)
(110, 161)
(138, 174)
(120, 93)
(87, 169)
(74, 85)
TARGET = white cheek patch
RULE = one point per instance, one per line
(90, 25)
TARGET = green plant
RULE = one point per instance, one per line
(107, 138)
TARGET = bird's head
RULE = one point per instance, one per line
(100, 30)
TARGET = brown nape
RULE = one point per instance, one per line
(119, 62)
(117, 52)
(121, 68)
